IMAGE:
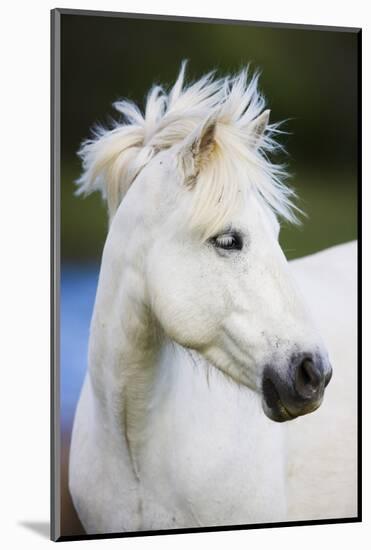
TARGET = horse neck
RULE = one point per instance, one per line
(124, 344)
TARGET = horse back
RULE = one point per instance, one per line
(322, 470)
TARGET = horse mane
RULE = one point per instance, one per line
(113, 157)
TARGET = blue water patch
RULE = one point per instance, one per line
(78, 288)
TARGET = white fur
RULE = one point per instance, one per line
(323, 467)
(170, 429)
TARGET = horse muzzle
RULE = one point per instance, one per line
(299, 392)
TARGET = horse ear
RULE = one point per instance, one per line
(257, 128)
(197, 150)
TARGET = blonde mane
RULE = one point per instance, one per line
(114, 157)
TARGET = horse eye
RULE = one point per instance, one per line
(228, 241)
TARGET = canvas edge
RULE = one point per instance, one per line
(213, 20)
(55, 428)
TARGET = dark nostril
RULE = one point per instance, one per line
(308, 378)
(328, 377)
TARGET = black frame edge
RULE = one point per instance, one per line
(55, 446)
(169, 17)
(359, 274)
(308, 523)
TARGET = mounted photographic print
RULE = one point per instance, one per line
(205, 176)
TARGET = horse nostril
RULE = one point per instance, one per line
(308, 378)
(328, 377)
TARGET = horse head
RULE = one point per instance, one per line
(194, 203)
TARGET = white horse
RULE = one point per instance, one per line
(200, 344)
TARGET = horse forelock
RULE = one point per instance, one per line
(113, 157)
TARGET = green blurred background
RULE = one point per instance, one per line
(308, 77)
